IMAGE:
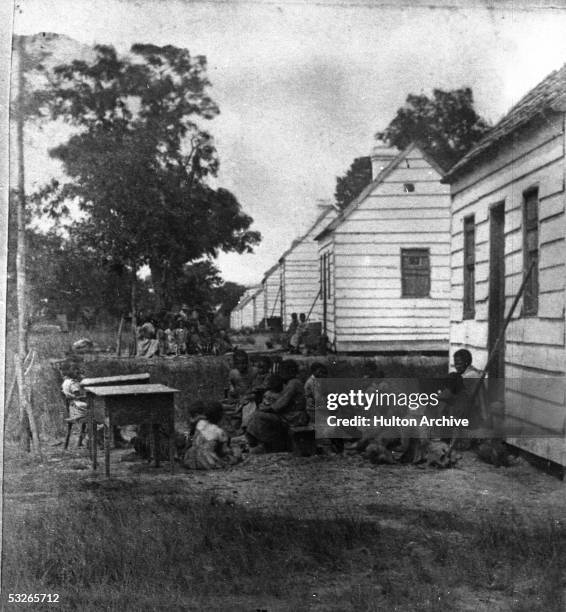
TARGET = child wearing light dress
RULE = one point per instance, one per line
(74, 393)
(210, 448)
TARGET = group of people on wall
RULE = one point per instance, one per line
(187, 332)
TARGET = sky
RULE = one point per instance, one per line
(303, 86)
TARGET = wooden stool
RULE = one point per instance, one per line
(302, 442)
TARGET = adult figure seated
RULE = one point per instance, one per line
(477, 410)
(240, 391)
(268, 427)
(147, 343)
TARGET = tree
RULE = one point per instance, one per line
(22, 109)
(195, 287)
(446, 125)
(228, 294)
(63, 274)
(349, 186)
(140, 160)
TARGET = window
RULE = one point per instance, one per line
(469, 267)
(408, 187)
(415, 272)
(530, 251)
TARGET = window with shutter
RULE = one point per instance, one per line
(415, 272)
(469, 311)
(530, 251)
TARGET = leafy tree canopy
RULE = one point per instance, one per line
(139, 162)
(446, 125)
(229, 294)
(349, 186)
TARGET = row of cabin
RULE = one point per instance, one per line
(290, 286)
(426, 259)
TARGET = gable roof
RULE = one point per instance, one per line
(270, 271)
(298, 241)
(548, 95)
(248, 298)
(353, 205)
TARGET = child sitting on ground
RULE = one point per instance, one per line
(210, 447)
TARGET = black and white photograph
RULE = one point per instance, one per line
(283, 306)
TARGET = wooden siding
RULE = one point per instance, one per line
(534, 345)
(271, 285)
(301, 275)
(326, 249)
(369, 312)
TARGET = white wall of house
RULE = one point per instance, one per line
(271, 285)
(534, 345)
(327, 276)
(371, 312)
(300, 281)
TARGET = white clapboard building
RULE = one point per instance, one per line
(299, 272)
(508, 217)
(249, 310)
(271, 287)
(385, 260)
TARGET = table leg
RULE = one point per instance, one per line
(171, 447)
(155, 443)
(107, 428)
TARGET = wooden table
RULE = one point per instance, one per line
(143, 404)
(123, 379)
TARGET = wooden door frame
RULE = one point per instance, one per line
(496, 293)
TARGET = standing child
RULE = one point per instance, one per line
(180, 335)
(312, 388)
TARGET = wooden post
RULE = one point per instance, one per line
(312, 306)
(501, 336)
(27, 418)
(495, 347)
(25, 407)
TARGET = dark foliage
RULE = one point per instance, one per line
(353, 182)
(446, 125)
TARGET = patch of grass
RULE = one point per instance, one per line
(125, 540)
(123, 546)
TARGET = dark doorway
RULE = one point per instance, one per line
(496, 312)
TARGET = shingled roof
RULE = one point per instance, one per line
(548, 95)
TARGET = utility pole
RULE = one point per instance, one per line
(27, 418)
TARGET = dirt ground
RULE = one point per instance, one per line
(311, 486)
(397, 497)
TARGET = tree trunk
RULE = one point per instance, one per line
(134, 309)
(119, 338)
(160, 282)
(27, 419)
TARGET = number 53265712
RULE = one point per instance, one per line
(33, 597)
